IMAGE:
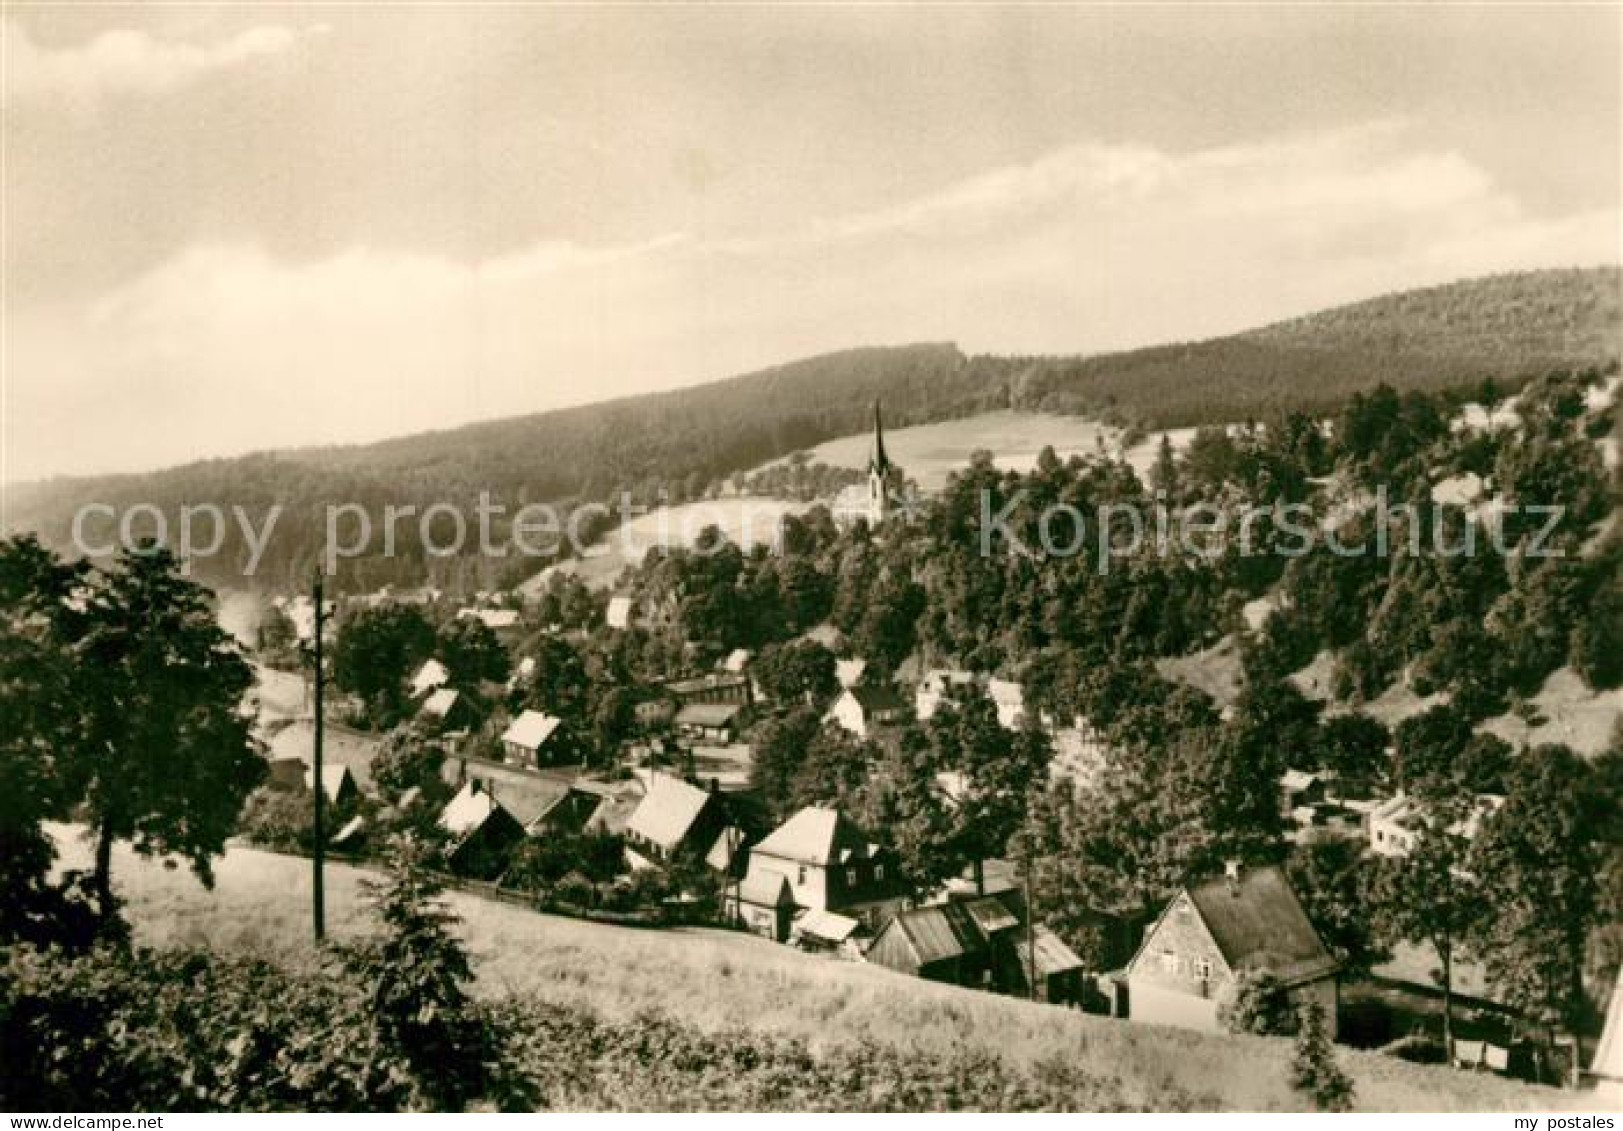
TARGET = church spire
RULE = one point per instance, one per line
(878, 461)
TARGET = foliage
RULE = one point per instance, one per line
(1313, 1069)
(1258, 1002)
(471, 652)
(159, 685)
(378, 649)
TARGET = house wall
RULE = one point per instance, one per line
(1179, 974)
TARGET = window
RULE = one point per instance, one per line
(878, 871)
(1203, 969)
(1169, 962)
(851, 876)
(802, 874)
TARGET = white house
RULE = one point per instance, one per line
(860, 710)
(431, 675)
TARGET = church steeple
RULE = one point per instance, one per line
(878, 461)
(879, 472)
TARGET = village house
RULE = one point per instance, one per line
(432, 674)
(849, 673)
(830, 865)
(1299, 789)
(620, 611)
(568, 813)
(524, 742)
(1395, 824)
(1010, 701)
(337, 784)
(713, 687)
(969, 942)
(863, 709)
(503, 622)
(673, 817)
(482, 832)
(762, 904)
(710, 722)
(1212, 933)
(446, 708)
(938, 686)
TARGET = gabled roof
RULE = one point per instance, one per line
(737, 660)
(441, 702)
(939, 932)
(765, 889)
(1053, 956)
(991, 914)
(728, 847)
(1297, 780)
(468, 810)
(431, 675)
(1257, 922)
(849, 672)
(492, 618)
(619, 614)
(668, 812)
(815, 835)
(1006, 693)
(826, 926)
(874, 699)
(531, 729)
(708, 714)
(332, 780)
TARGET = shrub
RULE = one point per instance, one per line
(1313, 1068)
(1258, 1003)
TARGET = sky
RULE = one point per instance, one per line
(244, 227)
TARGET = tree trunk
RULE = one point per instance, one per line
(101, 881)
(1446, 953)
(980, 876)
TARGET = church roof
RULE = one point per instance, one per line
(877, 459)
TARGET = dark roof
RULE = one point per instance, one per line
(708, 714)
(1257, 922)
(991, 914)
(877, 698)
(939, 932)
(1053, 956)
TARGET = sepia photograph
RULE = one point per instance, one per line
(832, 557)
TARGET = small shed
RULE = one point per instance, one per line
(762, 904)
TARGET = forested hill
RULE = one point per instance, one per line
(1506, 327)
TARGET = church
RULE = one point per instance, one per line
(875, 500)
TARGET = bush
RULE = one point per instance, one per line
(1313, 1068)
(1258, 1003)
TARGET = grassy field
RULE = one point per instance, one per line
(719, 981)
(929, 452)
(746, 522)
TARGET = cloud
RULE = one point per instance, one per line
(226, 348)
(126, 62)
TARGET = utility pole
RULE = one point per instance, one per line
(318, 895)
(1031, 932)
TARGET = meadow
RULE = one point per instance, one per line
(717, 982)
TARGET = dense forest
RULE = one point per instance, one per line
(682, 444)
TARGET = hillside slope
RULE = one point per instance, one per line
(719, 981)
(1507, 327)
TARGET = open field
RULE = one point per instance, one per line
(746, 521)
(928, 453)
(717, 980)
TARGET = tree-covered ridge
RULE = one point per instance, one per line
(685, 444)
